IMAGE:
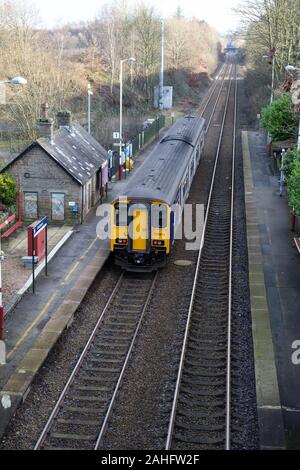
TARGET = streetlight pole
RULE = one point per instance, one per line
(13, 81)
(273, 78)
(271, 60)
(131, 59)
(90, 93)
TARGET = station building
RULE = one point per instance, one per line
(63, 174)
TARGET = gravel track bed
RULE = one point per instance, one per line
(244, 417)
(26, 426)
(142, 411)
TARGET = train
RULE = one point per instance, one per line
(145, 218)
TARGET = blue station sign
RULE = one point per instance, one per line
(41, 224)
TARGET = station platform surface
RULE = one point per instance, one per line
(35, 324)
(281, 269)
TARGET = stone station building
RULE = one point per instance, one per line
(63, 174)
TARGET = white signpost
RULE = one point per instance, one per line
(116, 135)
(2, 353)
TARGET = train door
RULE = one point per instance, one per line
(139, 235)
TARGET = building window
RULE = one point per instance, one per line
(58, 206)
(121, 215)
(31, 205)
(159, 216)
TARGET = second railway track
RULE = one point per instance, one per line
(80, 416)
(201, 411)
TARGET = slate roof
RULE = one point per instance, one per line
(75, 150)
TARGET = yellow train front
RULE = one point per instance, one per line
(144, 220)
(140, 234)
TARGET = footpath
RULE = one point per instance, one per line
(274, 273)
(33, 327)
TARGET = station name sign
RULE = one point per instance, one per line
(40, 226)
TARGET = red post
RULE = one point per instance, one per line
(19, 200)
(293, 221)
(1, 321)
(120, 171)
(1, 299)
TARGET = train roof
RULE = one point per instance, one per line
(160, 176)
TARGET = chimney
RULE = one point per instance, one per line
(45, 124)
(64, 119)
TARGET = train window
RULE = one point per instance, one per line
(120, 214)
(159, 216)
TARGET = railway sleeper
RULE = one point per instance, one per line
(91, 388)
(192, 405)
(203, 381)
(201, 393)
(200, 427)
(203, 372)
(103, 370)
(75, 437)
(201, 414)
(196, 439)
(190, 357)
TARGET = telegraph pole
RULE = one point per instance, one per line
(89, 107)
(161, 74)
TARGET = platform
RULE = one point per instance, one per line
(277, 270)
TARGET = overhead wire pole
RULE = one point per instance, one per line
(131, 59)
(90, 93)
(161, 74)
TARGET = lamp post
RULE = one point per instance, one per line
(131, 59)
(13, 81)
(90, 93)
(291, 69)
(271, 56)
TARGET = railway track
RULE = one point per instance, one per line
(213, 97)
(201, 410)
(80, 416)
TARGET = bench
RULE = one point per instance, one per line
(297, 243)
(11, 229)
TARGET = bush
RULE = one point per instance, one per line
(288, 162)
(294, 187)
(8, 189)
(279, 118)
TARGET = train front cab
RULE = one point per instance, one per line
(140, 234)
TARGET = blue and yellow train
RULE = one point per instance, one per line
(144, 220)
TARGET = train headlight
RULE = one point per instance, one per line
(158, 242)
(121, 241)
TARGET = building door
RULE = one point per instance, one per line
(58, 206)
(31, 205)
(89, 198)
(140, 227)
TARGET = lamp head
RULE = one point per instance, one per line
(18, 81)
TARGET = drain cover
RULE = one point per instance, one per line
(182, 262)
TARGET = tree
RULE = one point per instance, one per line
(294, 187)
(289, 161)
(8, 189)
(279, 118)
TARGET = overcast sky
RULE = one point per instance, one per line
(217, 13)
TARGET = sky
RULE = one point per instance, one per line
(217, 13)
